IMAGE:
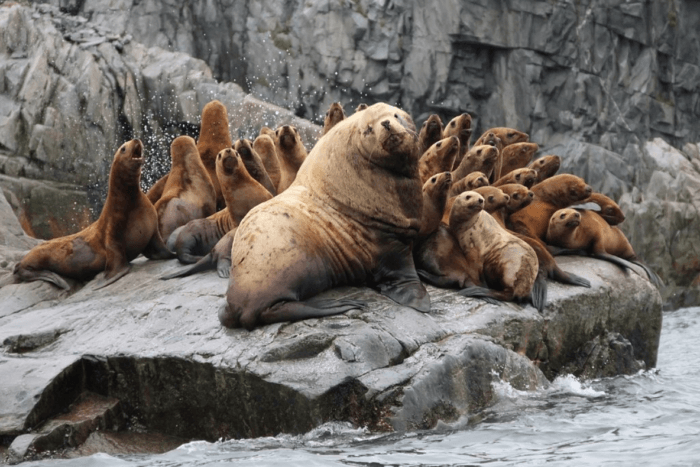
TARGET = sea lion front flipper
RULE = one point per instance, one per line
(538, 294)
(483, 293)
(116, 265)
(51, 277)
(314, 308)
(397, 278)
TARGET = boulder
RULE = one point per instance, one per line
(156, 350)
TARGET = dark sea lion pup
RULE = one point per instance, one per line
(127, 226)
(348, 219)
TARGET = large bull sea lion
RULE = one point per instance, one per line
(348, 219)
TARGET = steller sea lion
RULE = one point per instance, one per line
(507, 264)
(440, 261)
(545, 166)
(519, 197)
(254, 164)
(587, 231)
(609, 210)
(188, 193)
(438, 158)
(218, 258)
(434, 198)
(506, 135)
(348, 219)
(430, 132)
(480, 158)
(526, 177)
(461, 127)
(514, 156)
(494, 199)
(264, 145)
(333, 116)
(264, 130)
(468, 183)
(361, 107)
(241, 192)
(291, 154)
(127, 227)
(214, 135)
(156, 191)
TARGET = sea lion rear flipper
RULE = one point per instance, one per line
(111, 277)
(623, 263)
(223, 267)
(564, 277)
(205, 263)
(437, 281)
(483, 293)
(653, 277)
(314, 308)
(116, 265)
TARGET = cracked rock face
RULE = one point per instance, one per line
(158, 349)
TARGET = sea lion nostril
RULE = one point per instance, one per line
(386, 124)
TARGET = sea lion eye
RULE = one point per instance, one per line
(562, 216)
(396, 116)
(490, 198)
(124, 148)
(478, 153)
(453, 124)
(516, 196)
(467, 197)
(433, 180)
(438, 144)
(510, 135)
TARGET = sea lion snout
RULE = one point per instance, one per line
(387, 124)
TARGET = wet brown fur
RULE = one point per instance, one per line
(461, 127)
(434, 198)
(291, 153)
(438, 158)
(430, 132)
(526, 177)
(214, 135)
(481, 158)
(514, 156)
(334, 115)
(545, 166)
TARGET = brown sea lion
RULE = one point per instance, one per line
(127, 227)
(156, 191)
(188, 193)
(348, 219)
(545, 166)
(440, 261)
(269, 132)
(214, 135)
(519, 197)
(506, 135)
(461, 127)
(494, 199)
(525, 176)
(291, 153)
(480, 158)
(264, 145)
(361, 107)
(430, 132)
(589, 232)
(434, 198)
(609, 210)
(514, 156)
(533, 220)
(468, 183)
(254, 164)
(241, 192)
(507, 264)
(438, 158)
(334, 115)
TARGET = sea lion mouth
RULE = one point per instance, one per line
(287, 139)
(573, 223)
(229, 163)
(137, 153)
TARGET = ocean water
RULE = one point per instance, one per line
(651, 418)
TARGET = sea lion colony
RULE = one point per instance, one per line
(375, 202)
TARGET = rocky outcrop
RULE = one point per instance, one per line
(72, 92)
(145, 354)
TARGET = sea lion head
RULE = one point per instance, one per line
(215, 121)
(613, 215)
(445, 151)
(475, 180)
(569, 218)
(563, 190)
(460, 126)
(264, 130)
(521, 152)
(435, 191)
(288, 136)
(465, 208)
(432, 127)
(509, 135)
(520, 196)
(126, 165)
(525, 176)
(486, 155)
(361, 107)
(228, 162)
(182, 148)
(437, 186)
(334, 115)
(546, 166)
(490, 139)
(494, 198)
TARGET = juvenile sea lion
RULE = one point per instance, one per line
(127, 226)
(348, 219)
(587, 231)
(361, 107)
(506, 135)
(480, 158)
(334, 115)
(188, 193)
(514, 156)
(214, 135)
(609, 210)
(526, 177)
(440, 261)
(264, 145)
(438, 158)
(532, 221)
(241, 192)
(291, 153)
(434, 198)
(519, 197)
(430, 132)
(545, 166)
(508, 265)
(468, 183)
(269, 132)
(254, 164)
(461, 127)
(494, 199)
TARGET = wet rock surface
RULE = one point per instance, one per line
(158, 349)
